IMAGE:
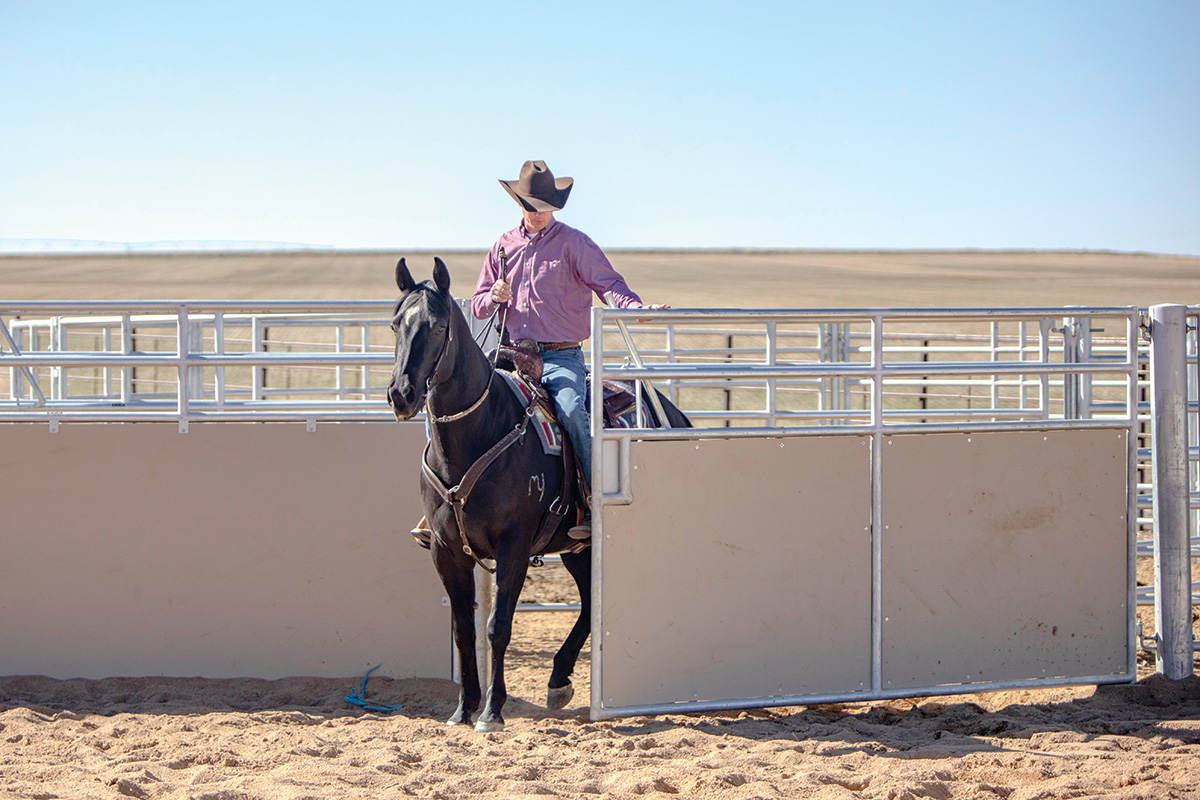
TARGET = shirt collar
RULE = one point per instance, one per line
(543, 233)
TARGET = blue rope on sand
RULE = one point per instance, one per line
(360, 699)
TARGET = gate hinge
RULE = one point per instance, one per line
(1147, 642)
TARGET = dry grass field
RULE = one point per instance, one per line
(297, 738)
(681, 278)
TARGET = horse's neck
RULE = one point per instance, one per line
(464, 375)
(455, 445)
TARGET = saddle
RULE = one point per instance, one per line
(619, 400)
(522, 369)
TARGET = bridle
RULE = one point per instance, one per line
(429, 386)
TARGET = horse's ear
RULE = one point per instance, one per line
(404, 279)
(441, 275)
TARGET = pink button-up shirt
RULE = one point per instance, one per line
(553, 275)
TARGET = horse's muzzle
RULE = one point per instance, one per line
(405, 402)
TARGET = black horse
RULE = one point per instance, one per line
(513, 488)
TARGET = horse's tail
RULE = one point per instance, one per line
(675, 417)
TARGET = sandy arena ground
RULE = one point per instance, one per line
(297, 738)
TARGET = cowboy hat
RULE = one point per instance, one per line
(537, 189)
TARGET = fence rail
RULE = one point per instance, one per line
(736, 372)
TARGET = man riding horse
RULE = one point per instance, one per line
(546, 273)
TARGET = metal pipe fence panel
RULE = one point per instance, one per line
(740, 374)
(1056, 404)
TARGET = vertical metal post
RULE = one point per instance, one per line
(728, 392)
(994, 356)
(1172, 551)
(823, 355)
(1077, 349)
(1070, 332)
(219, 349)
(340, 371)
(844, 356)
(876, 531)
(772, 357)
(1023, 355)
(257, 345)
(182, 343)
(58, 379)
(1044, 328)
(1133, 467)
(597, 481)
(16, 387)
(127, 373)
(672, 387)
(195, 375)
(364, 372)
(106, 372)
(1083, 354)
(485, 600)
(1193, 381)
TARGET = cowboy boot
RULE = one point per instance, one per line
(583, 530)
(423, 534)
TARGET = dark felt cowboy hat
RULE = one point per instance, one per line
(537, 189)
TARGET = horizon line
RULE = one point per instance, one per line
(53, 247)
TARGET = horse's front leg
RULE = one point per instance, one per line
(459, 580)
(510, 577)
(560, 691)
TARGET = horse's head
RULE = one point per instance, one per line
(421, 321)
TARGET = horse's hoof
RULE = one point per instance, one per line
(454, 723)
(488, 727)
(558, 698)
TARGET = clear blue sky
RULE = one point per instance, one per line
(1046, 124)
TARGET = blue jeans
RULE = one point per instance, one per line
(563, 375)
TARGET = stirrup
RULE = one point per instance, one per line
(422, 534)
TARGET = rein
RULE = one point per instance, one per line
(459, 415)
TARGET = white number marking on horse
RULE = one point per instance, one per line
(537, 482)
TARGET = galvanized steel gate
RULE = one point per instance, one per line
(873, 553)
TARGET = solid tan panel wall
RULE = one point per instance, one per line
(1005, 557)
(258, 550)
(742, 568)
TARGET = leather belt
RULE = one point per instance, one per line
(542, 347)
